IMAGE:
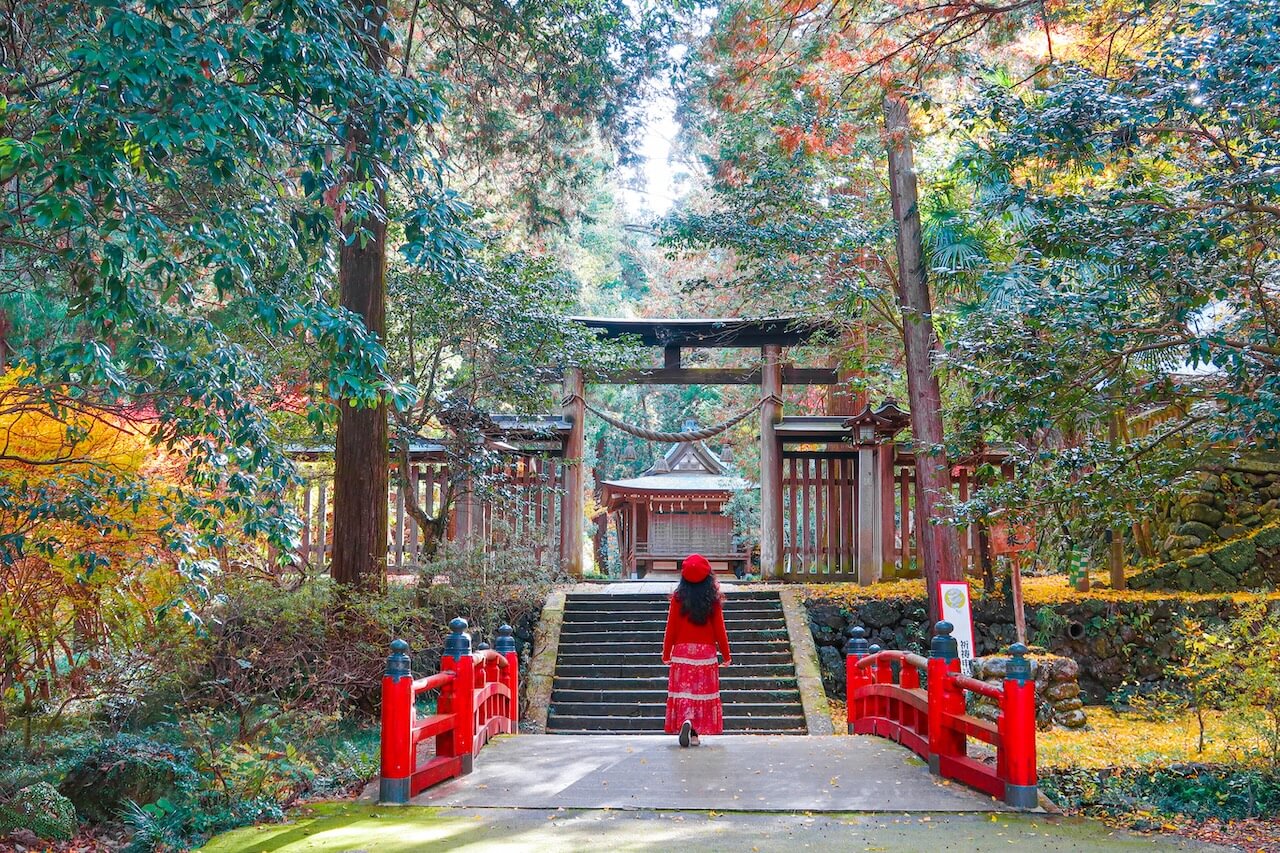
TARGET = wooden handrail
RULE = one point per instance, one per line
(973, 685)
(432, 682)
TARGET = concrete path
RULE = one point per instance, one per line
(726, 773)
(344, 828)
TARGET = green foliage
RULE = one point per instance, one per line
(1152, 703)
(1131, 219)
(1235, 667)
(1197, 791)
(1049, 626)
(505, 586)
(104, 775)
(40, 809)
(168, 190)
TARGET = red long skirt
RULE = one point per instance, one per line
(693, 689)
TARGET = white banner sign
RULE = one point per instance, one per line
(954, 596)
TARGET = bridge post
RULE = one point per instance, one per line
(397, 726)
(856, 649)
(1018, 738)
(944, 659)
(506, 645)
(876, 706)
(457, 659)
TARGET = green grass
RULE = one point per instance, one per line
(342, 826)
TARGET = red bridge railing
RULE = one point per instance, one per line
(479, 697)
(886, 698)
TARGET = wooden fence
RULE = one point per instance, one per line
(825, 523)
(518, 502)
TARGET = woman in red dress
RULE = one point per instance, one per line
(695, 631)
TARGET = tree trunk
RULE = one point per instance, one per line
(362, 455)
(937, 538)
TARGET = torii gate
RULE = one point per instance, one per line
(822, 510)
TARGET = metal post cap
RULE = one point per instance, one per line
(857, 644)
(943, 645)
(506, 641)
(398, 661)
(875, 649)
(458, 643)
(482, 646)
(1018, 668)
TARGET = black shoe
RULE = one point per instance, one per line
(686, 733)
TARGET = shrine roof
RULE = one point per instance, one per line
(709, 332)
(679, 482)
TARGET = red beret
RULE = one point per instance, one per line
(695, 568)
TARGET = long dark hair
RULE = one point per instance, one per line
(698, 600)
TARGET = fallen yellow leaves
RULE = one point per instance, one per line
(1113, 739)
(1051, 589)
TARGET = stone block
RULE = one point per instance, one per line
(1071, 719)
(1064, 669)
(1257, 465)
(1236, 557)
(878, 614)
(1062, 690)
(1231, 531)
(1268, 537)
(1207, 481)
(1181, 543)
(1200, 531)
(1202, 513)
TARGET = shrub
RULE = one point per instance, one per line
(41, 809)
(506, 585)
(124, 768)
(1196, 791)
(1235, 667)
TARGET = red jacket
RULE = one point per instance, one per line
(681, 630)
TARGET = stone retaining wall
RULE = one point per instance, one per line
(1227, 499)
(1113, 642)
(1058, 701)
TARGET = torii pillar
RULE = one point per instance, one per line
(770, 463)
(571, 506)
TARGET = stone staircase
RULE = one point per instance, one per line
(610, 679)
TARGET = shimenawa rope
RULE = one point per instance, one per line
(672, 437)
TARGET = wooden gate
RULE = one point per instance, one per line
(820, 508)
(826, 524)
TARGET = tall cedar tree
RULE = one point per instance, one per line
(361, 454)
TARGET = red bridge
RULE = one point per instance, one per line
(915, 701)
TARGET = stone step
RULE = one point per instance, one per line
(639, 658)
(609, 676)
(658, 626)
(659, 670)
(659, 683)
(563, 696)
(638, 601)
(664, 599)
(658, 710)
(655, 724)
(728, 731)
(730, 595)
(632, 614)
(612, 645)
